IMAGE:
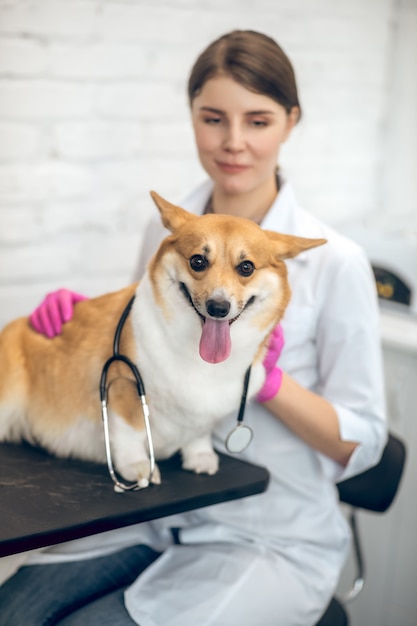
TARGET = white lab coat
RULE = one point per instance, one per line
(274, 559)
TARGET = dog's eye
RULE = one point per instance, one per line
(198, 263)
(246, 268)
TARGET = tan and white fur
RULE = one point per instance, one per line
(215, 270)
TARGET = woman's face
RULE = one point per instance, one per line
(238, 134)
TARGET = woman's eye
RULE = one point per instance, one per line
(212, 120)
(259, 123)
(246, 268)
(198, 263)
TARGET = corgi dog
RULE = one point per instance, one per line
(203, 312)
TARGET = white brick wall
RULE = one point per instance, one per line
(93, 114)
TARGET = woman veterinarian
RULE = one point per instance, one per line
(272, 559)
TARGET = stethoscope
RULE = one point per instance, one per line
(236, 441)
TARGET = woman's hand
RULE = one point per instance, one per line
(273, 378)
(55, 310)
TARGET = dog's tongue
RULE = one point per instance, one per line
(215, 344)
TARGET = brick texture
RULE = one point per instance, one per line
(93, 114)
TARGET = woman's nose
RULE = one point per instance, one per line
(234, 140)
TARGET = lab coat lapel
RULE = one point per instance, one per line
(284, 217)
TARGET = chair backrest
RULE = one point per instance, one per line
(373, 490)
(376, 488)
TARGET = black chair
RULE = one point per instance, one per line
(374, 490)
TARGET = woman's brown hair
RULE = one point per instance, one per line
(252, 59)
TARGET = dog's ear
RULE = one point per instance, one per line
(288, 246)
(173, 217)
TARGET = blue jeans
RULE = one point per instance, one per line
(76, 593)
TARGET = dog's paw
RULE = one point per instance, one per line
(201, 462)
(140, 472)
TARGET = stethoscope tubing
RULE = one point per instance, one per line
(240, 433)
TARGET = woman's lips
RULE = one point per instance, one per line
(231, 168)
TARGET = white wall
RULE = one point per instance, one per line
(399, 180)
(93, 114)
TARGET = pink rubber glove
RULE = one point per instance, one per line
(56, 309)
(273, 378)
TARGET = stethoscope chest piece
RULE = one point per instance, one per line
(239, 438)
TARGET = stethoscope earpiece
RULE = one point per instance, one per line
(120, 486)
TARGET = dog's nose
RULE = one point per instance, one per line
(218, 308)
